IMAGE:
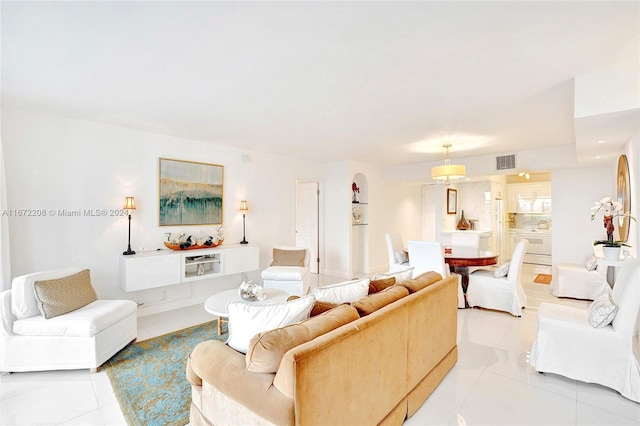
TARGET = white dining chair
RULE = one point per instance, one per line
(502, 293)
(425, 256)
(395, 252)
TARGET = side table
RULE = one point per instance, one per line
(217, 304)
(611, 266)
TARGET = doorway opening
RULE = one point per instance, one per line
(307, 220)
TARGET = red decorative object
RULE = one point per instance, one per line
(355, 190)
(608, 225)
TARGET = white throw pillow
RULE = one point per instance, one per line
(591, 262)
(345, 292)
(247, 319)
(602, 311)
(23, 298)
(400, 257)
(502, 270)
(399, 276)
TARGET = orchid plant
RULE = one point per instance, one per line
(611, 209)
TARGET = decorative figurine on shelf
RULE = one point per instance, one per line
(251, 292)
(356, 214)
(355, 190)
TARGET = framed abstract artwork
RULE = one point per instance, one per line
(190, 193)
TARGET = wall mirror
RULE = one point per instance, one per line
(624, 196)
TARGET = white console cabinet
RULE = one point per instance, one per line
(161, 268)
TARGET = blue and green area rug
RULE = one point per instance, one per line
(148, 377)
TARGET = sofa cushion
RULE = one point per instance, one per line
(63, 295)
(502, 270)
(375, 301)
(379, 285)
(288, 257)
(23, 299)
(321, 307)
(247, 320)
(284, 273)
(266, 349)
(591, 262)
(318, 307)
(602, 311)
(399, 276)
(400, 257)
(346, 292)
(421, 281)
(84, 322)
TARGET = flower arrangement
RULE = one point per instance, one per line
(611, 209)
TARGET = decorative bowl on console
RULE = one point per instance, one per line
(192, 246)
(183, 241)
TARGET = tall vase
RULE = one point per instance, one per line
(463, 224)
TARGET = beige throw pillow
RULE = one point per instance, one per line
(288, 257)
(63, 295)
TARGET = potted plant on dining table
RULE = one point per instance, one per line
(612, 209)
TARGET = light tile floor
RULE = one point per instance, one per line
(491, 384)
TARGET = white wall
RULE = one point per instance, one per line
(54, 163)
(574, 192)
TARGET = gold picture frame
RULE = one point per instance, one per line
(190, 193)
(452, 201)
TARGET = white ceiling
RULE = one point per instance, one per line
(380, 82)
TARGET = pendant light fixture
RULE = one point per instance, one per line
(449, 172)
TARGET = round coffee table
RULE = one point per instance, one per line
(217, 303)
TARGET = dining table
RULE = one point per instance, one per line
(460, 259)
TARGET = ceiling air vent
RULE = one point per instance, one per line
(506, 162)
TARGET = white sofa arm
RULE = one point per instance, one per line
(5, 314)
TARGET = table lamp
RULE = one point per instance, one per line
(129, 204)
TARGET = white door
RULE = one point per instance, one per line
(307, 222)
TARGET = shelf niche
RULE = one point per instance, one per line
(359, 224)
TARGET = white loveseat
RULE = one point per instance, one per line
(83, 338)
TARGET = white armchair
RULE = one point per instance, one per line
(425, 256)
(579, 281)
(85, 337)
(395, 252)
(288, 270)
(568, 344)
(503, 293)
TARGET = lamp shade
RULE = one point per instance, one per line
(129, 204)
(244, 206)
(448, 172)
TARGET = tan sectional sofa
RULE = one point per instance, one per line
(375, 368)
